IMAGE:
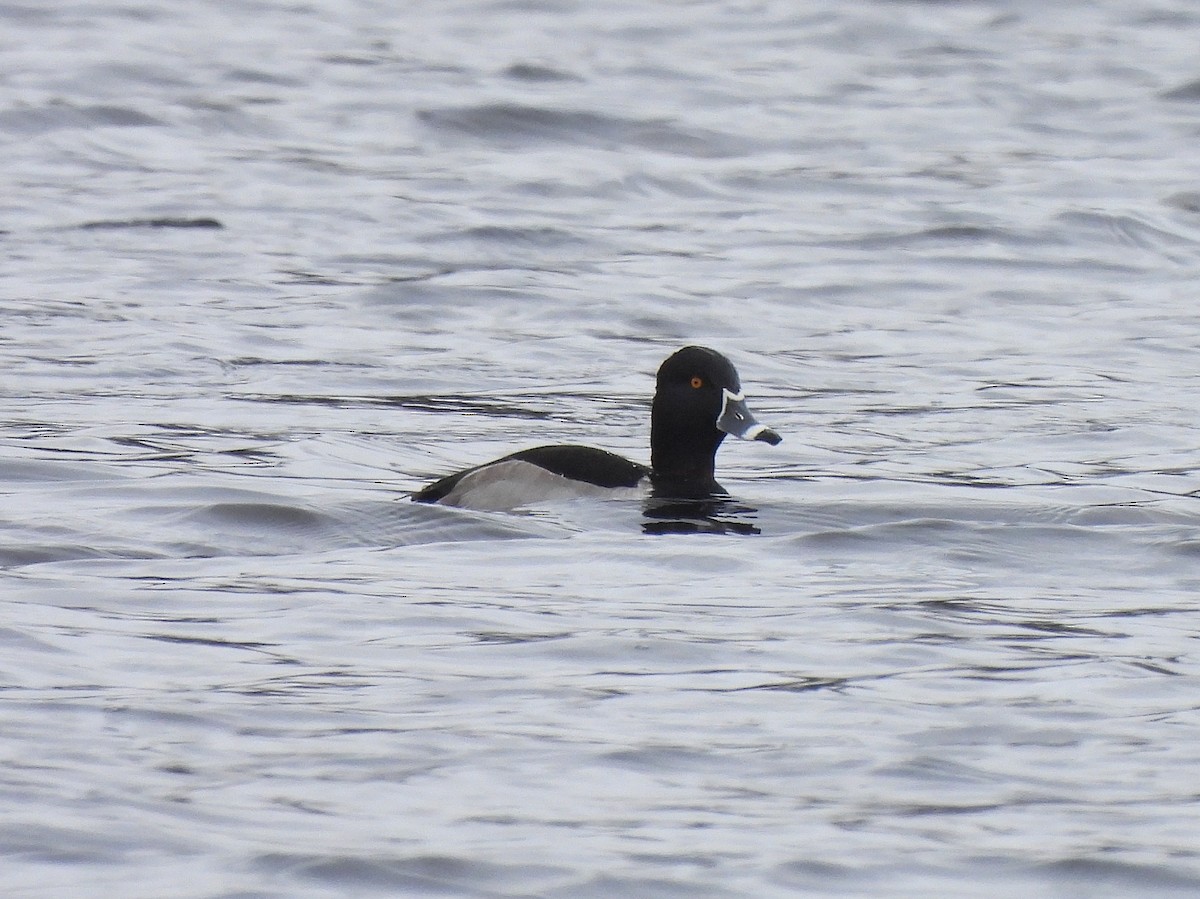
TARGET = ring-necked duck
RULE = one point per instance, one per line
(697, 401)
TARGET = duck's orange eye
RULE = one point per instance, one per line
(697, 382)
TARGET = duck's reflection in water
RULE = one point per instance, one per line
(703, 515)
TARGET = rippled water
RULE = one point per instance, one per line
(270, 266)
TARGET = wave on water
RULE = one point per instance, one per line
(63, 115)
(516, 124)
(160, 222)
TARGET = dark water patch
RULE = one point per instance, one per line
(954, 52)
(156, 716)
(363, 60)
(852, 541)
(261, 519)
(1189, 92)
(821, 877)
(164, 222)
(255, 361)
(516, 125)
(18, 641)
(261, 76)
(71, 846)
(22, 14)
(1121, 878)
(531, 72)
(212, 642)
(634, 185)
(59, 116)
(1188, 201)
(988, 877)
(507, 639)
(807, 684)
(53, 471)
(944, 235)
(33, 553)
(607, 886)
(305, 684)
(539, 238)
(431, 875)
(426, 297)
(1186, 547)
(314, 279)
(664, 758)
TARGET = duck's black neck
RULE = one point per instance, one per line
(682, 456)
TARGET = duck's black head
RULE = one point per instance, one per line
(697, 402)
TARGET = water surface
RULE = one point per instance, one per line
(270, 267)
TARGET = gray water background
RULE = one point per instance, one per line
(268, 266)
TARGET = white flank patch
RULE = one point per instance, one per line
(508, 485)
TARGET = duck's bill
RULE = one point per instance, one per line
(735, 419)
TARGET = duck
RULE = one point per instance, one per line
(698, 401)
